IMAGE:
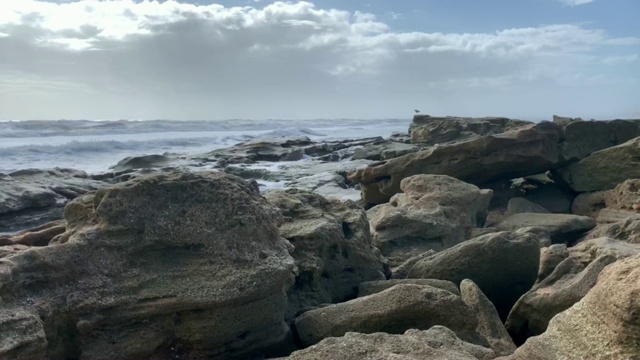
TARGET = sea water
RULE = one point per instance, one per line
(94, 146)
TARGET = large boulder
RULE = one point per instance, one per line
(143, 162)
(570, 281)
(604, 169)
(431, 130)
(372, 287)
(603, 325)
(333, 248)
(489, 324)
(30, 198)
(582, 138)
(433, 212)
(437, 343)
(526, 151)
(563, 228)
(504, 265)
(394, 311)
(176, 264)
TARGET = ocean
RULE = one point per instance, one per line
(95, 146)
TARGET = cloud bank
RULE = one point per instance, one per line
(149, 59)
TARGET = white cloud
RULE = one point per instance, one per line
(625, 59)
(149, 59)
(576, 2)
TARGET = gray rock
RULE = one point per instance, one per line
(427, 129)
(582, 138)
(625, 196)
(519, 205)
(564, 228)
(610, 216)
(526, 151)
(604, 169)
(489, 324)
(589, 204)
(372, 287)
(401, 272)
(569, 282)
(333, 248)
(504, 265)
(142, 162)
(603, 325)
(550, 258)
(30, 198)
(384, 151)
(626, 230)
(393, 311)
(433, 212)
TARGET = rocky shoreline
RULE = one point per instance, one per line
(465, 238)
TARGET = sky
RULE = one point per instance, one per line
(318, 59)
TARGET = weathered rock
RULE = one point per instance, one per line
(626, 230)
(437, 343)
(610, 216)
(29, 198)
(39, 236)
(22, 335)
(589, 204)
(489, 324)
(333, 248)
(433, 212)
(625, 196)
(426, 129)
(142, 162)
(564, 228)
(156, 270)
(529, 150)
(504, 265)
(401, 272)
(582, 138)
(267, 149)
(570, 281)
(372, 287)
(603, 325)
(519, 205)
(550, 258)
(550, 196)
(393, 311)
(384, 151)
(605, 169)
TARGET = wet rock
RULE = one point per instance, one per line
(504, 265)
(433, 212)
(29, 198)
(528, 150)
(154, 267)
(384, 151)
(333, 248)
(142, 162)
(266, 149)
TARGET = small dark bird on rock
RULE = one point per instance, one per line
(417, 111)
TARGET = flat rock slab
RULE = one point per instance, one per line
(563, 228)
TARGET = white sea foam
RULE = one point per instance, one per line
(93, 146)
